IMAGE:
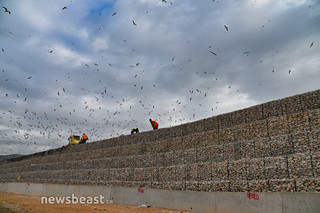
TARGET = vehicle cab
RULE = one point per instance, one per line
(74, 139)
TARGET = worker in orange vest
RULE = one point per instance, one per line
(154, 124)
(84, 138)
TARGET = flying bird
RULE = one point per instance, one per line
(6, 10)
(164, 1)
(29, 77)
(226, 27)
(213, 53)
(247, 53)
(114, 13)
(134, 23)
(311, 44)
(289, 71)
(64, 8)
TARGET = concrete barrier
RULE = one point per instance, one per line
(203, 202)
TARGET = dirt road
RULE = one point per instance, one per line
(10, 203)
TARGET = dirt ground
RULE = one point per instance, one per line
(10, 203)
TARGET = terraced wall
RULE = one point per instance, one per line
(272, 147)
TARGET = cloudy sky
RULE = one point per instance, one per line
(104, 67)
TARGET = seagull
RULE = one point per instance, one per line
(6, 10)
(226, 27)
(213, 53)
(311, 44)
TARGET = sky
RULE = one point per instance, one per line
(104, 67)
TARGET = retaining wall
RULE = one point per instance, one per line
(213, 202)
(271, 147)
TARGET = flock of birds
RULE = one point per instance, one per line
(52, 126)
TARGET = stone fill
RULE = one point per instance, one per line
(271, 147)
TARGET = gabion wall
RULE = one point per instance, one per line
(272, 147)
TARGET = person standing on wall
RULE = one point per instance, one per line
(134, 130)
(154, 124)
(84, 138)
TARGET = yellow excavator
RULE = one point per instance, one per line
(74, 139)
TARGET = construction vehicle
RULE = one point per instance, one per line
(74, 139)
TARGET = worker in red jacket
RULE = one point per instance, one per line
(154, 124)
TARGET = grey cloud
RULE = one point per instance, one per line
(94, 58)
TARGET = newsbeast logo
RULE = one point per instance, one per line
(73, 200)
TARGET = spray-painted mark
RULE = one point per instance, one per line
(253, 196)
(140, 190)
